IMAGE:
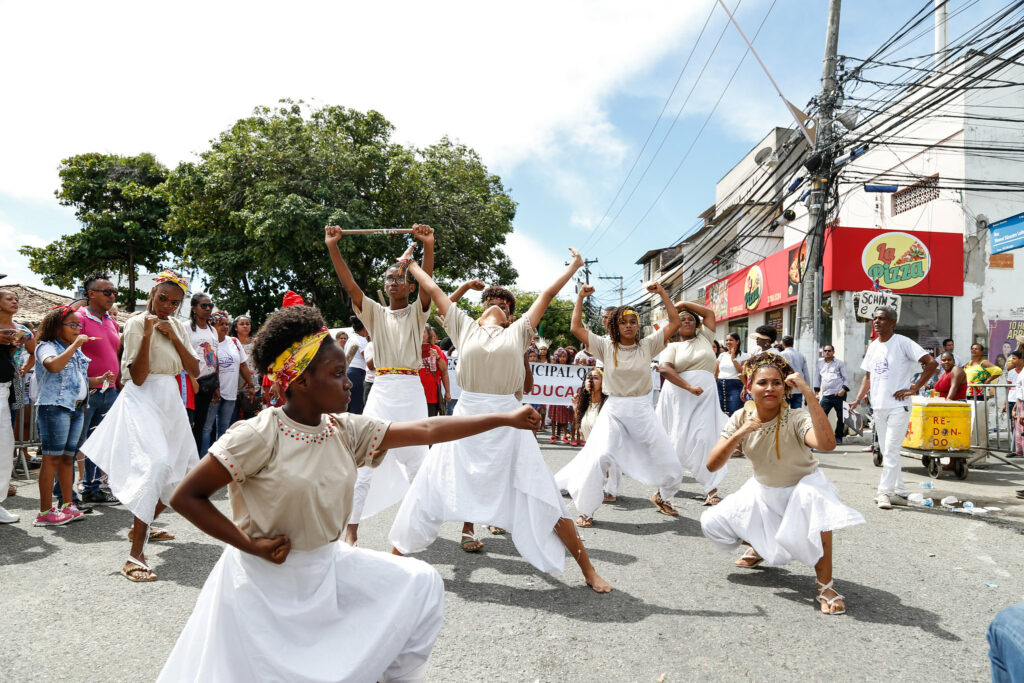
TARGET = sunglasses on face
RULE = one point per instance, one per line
(206, 307)
(106, 292)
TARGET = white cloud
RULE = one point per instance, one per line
(537, 264)
(516, 82)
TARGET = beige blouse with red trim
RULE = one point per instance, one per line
(295, 479)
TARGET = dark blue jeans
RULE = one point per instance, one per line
(730, 395)
(835, 403)
(796, 400)
(1006, 645)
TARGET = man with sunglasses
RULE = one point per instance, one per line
(834, 381)
(104, 364)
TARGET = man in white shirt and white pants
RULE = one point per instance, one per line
(890, 363)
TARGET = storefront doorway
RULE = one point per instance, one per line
(740, 328)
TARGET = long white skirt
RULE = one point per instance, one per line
(398, 398)
(627, 433)
(332, 614)
(144, 444)
(781, 523)
(693, 424)
(498, 477)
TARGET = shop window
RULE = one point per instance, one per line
(917, 194)
(927, 320)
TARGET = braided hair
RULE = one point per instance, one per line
(613, 329)
(584, 398)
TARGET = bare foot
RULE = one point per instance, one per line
(597, 583)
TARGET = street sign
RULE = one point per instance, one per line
(865, 303)
(1007, 234)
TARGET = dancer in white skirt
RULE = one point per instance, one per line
(627, 434)
(397, 393)
(498, 478)
(287, 601)
(144, 444)
(688, 404)
(788, 510)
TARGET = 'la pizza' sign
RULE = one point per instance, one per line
(896, 260)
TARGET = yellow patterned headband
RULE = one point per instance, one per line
(170, 276)
(294, 360)
(628, 311)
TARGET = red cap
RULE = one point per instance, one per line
(292, 299)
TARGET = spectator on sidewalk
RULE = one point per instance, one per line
(889, 364)
(203, 339)
(764, 338)
(799, 363)
(104, 362)
(834, 383)
(947, 347)
(728, 372)
(434, 375)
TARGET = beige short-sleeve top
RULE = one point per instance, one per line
(491, 357)
(397, 334)
(632, 375)
(295, 479)
(695, 353)
(163, 357)
(794, 460)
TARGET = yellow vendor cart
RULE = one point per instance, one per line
(939, 428)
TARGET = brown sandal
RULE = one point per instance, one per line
(155, 534)
(663, 507)
(584, 521)
(712, 499)
(133, 568)
(751, 554)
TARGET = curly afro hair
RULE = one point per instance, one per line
(282, 329)
(495, 292)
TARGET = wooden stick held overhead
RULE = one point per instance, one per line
(378, 231)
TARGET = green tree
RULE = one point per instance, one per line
(121, 203)
(251, 212)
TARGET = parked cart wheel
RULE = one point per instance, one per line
(926, 460)
(960, 468)
(934, 467)
(876, 457)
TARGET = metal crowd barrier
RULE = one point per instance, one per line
(991, 423)
(26, 436)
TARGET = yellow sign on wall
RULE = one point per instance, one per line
(753, 287)
(896, 260)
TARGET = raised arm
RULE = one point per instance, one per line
(821, 436)
(540, 305)
(425, 234)
(430, 287)
(475, 285)
(704, 312)
(332, 233)
(670, 308)
(576, 327)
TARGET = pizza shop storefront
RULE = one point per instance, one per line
(924, 268)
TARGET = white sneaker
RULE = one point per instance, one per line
(6, 517)
(883, 502)
(897, 499)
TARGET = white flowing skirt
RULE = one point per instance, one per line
(144, 444)
(498, 477)
(626, 434)
(693, 424)
(781, 523)
(336, 613)
(398, 398)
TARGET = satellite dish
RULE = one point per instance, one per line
(981, 222)
(762, 155)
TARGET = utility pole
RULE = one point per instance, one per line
(620, 289)
(808, 336)
(586, 271)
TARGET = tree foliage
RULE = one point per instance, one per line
(121, 203)
(251, 212)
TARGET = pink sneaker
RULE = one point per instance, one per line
(52, 518)
(71, 509)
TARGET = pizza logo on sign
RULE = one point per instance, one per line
(752, 288)
(896, 260)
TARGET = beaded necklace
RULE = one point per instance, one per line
(326, 433)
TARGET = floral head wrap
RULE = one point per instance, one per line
(168, 275)
(294, 360)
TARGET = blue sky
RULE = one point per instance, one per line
(558, 99)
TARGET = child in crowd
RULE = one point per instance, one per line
(63, 392)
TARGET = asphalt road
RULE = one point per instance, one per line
(921, 587)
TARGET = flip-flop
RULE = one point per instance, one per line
(584, 521)
(751, 554)
(711, 499)
(496, 530)
(470, 538)
(155, 534)
(663, 507)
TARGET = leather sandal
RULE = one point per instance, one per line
(828, 602)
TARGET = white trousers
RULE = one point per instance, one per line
(891, 428)
(6, 441)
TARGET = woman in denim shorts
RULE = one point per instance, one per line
(63, 391)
